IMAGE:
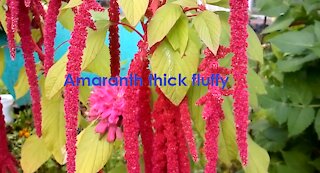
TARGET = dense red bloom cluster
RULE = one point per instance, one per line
(28, 49)
(187, 128)
(136, 113)
(114, 45)
(12, 25)
(71, 102)
(39, 7)
(7, 161)
(212, 114)
(239, 21)
(50, 33)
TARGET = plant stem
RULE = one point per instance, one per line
(131, 27)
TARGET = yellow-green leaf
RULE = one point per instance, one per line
(56, 75)
(255, 165)
(100, 18)
(33, 154)
(134, 10)
(208, 27)
(21, 86)
(71, 4)
(101, 64)
(187, 3)
(93, 152)
(228, 149)
(178, 35)
(2, 63)
(162, 22)
(167, 61)
(53, 124)
(65, 16)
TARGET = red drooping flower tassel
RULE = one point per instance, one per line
(145, 114)
(114, 14)
(39, 8)
(27, 46)
(71, 102)
(239, 21)
(7, 161)
(187, 128)
(212, 114)
(184, 162)
(50, 33)
(133, 110)
(12, 25)
(159, 158)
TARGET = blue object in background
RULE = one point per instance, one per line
(128, 47)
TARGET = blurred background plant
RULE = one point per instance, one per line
(287, 124)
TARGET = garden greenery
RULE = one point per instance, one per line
(179, 38)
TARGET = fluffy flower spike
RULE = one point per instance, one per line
(238, 44)
(28, 49)
(50, 33)
(71, 102)
(114, 15)
(12, 16)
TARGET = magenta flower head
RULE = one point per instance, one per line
(106, 106)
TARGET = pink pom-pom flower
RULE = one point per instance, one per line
(106, 106)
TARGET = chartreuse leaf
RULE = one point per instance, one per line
(227, 137)
(1, 61)
(167, 61)
(255, 86)
(299, 120)
(208, 26)
(187, 3)
(21, 86)
(53, 123)
(66, 14)
(194, 94)
(56, 75)
(162, 22)
(255, 51)
(317, 124)
(221, 3)
(71, 4)
(178, 35)
(93, 152)
(101, 64)
(33, 154)
(255, 165)
(134, 9)
(100, 18)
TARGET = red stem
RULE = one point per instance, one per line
(38, 50)
(131, 27)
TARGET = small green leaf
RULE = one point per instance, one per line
(178, 35)
(92, 151)
(281, 23)
(162, 22)
(295, 63)
(208, 26)
(317, 29)
(33, 154)
(299, 120)
(294, 41)
(298, 161)
(187, 3)
(317, 124)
